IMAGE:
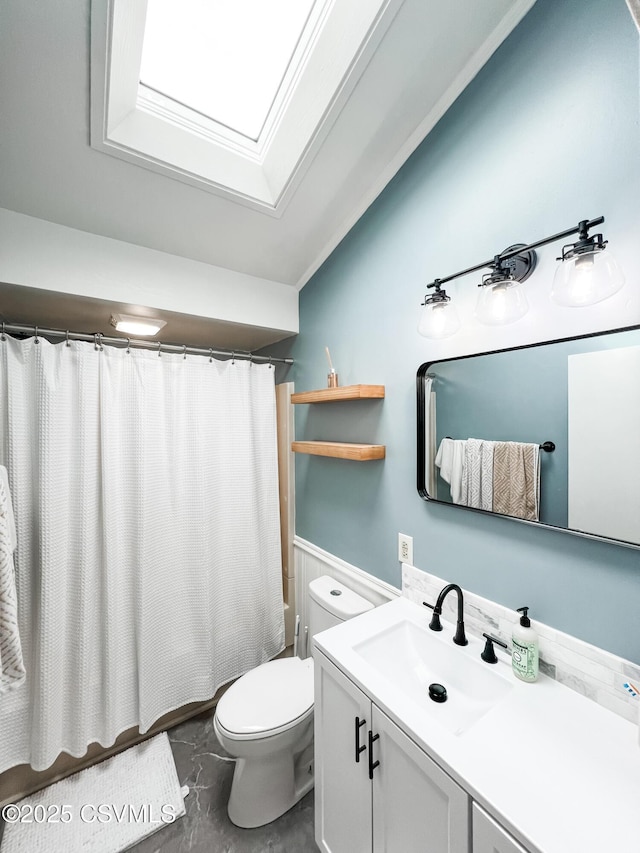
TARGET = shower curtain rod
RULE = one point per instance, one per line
(98, 339)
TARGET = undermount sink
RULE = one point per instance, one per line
(411, 658)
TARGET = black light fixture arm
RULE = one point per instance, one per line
(581, 229)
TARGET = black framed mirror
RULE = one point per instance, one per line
(547, 433)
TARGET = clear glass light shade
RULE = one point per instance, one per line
(501, 303)
(586, 278)
(438, 320)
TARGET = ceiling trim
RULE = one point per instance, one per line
(127, 123)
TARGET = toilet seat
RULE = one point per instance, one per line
(268, 700)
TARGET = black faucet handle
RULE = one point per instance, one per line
(489, 653)
(435, 623)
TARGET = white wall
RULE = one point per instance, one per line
(604, 443)
(36, 253)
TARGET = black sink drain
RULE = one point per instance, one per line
(438, 692)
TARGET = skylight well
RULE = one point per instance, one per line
(224, 59)
(233, 96)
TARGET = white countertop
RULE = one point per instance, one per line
(558, 771)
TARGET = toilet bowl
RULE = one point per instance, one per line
(266, 723)
(265, 719)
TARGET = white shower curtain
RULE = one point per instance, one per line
(148, 562)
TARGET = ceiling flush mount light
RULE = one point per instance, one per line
(586, 276)
(439, 318)
(131, 325)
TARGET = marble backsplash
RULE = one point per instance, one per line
(587, 669)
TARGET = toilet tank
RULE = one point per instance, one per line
(330, 603)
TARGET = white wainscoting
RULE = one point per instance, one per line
(312, 562)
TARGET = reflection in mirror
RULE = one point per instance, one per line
(548, 433)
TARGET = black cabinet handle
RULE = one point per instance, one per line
(359, 749)
(372, 764)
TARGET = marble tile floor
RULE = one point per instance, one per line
(206, 827)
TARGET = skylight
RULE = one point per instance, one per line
(225, 59)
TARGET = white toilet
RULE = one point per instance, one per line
(265, 719)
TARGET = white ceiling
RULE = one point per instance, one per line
(427, 55)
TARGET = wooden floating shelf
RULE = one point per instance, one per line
(342, 392)
(340, 450)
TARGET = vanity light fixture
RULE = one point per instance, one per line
(130, 325)
(439, 318)
(587, 275)
(501, 299)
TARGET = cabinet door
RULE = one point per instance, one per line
(490, 837)
(343, 789)
(417, 807)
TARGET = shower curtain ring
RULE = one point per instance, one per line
(211, 356)
(271, 362)
(184, 352)
(3, 335)
(37, 340)
(129, 346)
(67, 338)
(233, 357)
(159, 349)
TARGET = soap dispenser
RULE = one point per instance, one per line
(524, 657)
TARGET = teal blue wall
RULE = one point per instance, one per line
(545, 135)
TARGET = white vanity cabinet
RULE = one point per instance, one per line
(449, 778)
(489, 836)
(376, 790)
(342, 787)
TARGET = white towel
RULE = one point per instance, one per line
(450, 460)
(477, 473)
(12, 672)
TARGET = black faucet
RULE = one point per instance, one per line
(459, 638)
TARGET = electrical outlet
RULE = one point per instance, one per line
(405, 548)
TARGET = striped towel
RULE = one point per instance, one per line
(477, 473)
(12, 672)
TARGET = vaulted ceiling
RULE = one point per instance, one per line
(385, 72)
